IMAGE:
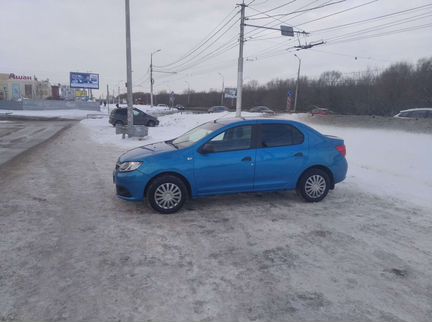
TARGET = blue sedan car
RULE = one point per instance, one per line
(228, 156)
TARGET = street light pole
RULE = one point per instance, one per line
(188, 92)
(151, 76)
(240, 62)
(129, 68)
(297, 85)
(223, 88)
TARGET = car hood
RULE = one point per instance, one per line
(138, 154)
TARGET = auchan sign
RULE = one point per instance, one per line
(13, 76)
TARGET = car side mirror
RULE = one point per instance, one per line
(206, 148)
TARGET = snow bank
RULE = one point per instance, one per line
(392, 164)
(66, 114)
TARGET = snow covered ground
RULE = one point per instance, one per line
(387, 163)
(71, 250)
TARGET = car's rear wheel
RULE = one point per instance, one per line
(167, 194)
(314, 185)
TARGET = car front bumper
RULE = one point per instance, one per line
(130, 185)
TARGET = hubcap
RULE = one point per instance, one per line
(315, 186)
(168, 195)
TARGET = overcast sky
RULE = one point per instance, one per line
(50, 38)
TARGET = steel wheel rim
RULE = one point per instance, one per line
(315, 186)
(167, 195)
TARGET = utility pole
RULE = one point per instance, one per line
(223, 88)
(151, 76)
(297, 85)
(108, 97)
(240, 62)
(129, 69)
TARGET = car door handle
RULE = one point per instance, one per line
(299, 155)
(245, 159)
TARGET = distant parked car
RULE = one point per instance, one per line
(162, 105)
(321, 111)
(218, 109)
(415, 113)
(231, 156)
(261, 109)
(180, 107)
(118, 116)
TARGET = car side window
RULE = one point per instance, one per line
(274, 135)
(238, 138)
(137, 112)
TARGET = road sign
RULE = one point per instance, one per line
(287, 31)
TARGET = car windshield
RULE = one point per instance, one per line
(195, 134)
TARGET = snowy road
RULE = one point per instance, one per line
(17, 137)
(70, 250)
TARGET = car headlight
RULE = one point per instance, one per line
(129, 166)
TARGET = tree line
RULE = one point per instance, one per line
(400, 86)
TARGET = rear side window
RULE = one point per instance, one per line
(421, 114)
(273, 135)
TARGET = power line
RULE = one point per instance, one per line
(372, 19)
(299, 11)
(275, 8)
(211, 35)
(391, 32)
(339, 12)
(382, 26)
(196, 59)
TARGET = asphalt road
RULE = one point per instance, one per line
(70, 250)
(17, 137)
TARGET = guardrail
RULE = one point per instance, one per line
(96, 116)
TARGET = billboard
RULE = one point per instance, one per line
(230, 92)
(84, 80)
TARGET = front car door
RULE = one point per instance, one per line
(228, 167)
(281, 153)
(139, 117)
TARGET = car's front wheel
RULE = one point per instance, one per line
(314, 185)
(167, 194)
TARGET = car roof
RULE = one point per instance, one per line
(417, 109)
(233, 120)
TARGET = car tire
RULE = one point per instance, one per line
(151, 123)
(313, 185)
(167, 194)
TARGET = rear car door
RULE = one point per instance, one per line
(281, 154)
(229, 168)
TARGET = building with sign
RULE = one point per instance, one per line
(17, 87)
